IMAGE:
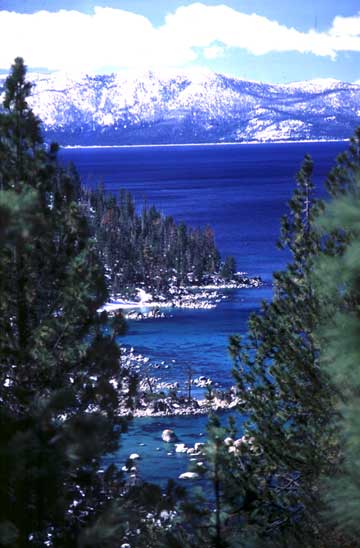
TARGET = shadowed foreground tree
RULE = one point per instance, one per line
(338, 279)
(59, 378)
(205, 515)
(288, 399)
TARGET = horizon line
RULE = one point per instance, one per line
(42, 71)
(232, 143)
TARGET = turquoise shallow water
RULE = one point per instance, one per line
(241, 191)
(158, 460)
(196, 337)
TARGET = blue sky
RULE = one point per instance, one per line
(265, 40)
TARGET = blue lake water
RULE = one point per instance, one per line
(241, 191)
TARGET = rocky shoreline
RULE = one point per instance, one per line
(172, 407)
(155, 397)
(158, 398)
(205, 296)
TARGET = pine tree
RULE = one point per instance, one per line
(338, 280)
(228, 269)
(212, 515)
(288, 399)
(60, 378)
(217, 469)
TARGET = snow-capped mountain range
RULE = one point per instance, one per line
(190, 107)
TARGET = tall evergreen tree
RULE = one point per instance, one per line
(287, 398)
(338, 280)
(228, 269)
(60, 378)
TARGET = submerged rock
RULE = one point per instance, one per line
(168, 435)
(189, 475)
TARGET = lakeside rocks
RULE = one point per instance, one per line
(140, 315)
(168, 435)
(202, 382)
(189, 475)
(182, 407)
(206, 295)
(156, 397)
(195, 455)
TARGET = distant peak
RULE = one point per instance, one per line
(196, 75)
(320, 83)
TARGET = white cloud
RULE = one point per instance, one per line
(346, 26)
(213, 52)
(114, 38)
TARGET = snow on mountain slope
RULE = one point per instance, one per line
(190, 106)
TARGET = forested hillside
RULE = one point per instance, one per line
(149, 248)
(61, 381)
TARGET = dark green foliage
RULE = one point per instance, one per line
(288, 399)
(149, 248)
(142, 517)
(343, 178)
(338, 280)
(228, 269)
(209, 515)
(59, 405)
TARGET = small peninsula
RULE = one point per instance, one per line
(151, 260)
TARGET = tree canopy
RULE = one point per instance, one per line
(149, 248)
(60, 375)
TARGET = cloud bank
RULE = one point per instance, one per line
(113, 39)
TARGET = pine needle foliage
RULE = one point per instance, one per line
(287, 398)
(59, 369)
(337, 278)
(148, 248)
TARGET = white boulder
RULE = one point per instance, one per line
(199, 445)
(189, 475)
(228, 441)
(168, 435)
(180, 448)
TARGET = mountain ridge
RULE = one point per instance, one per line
(182, 107)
